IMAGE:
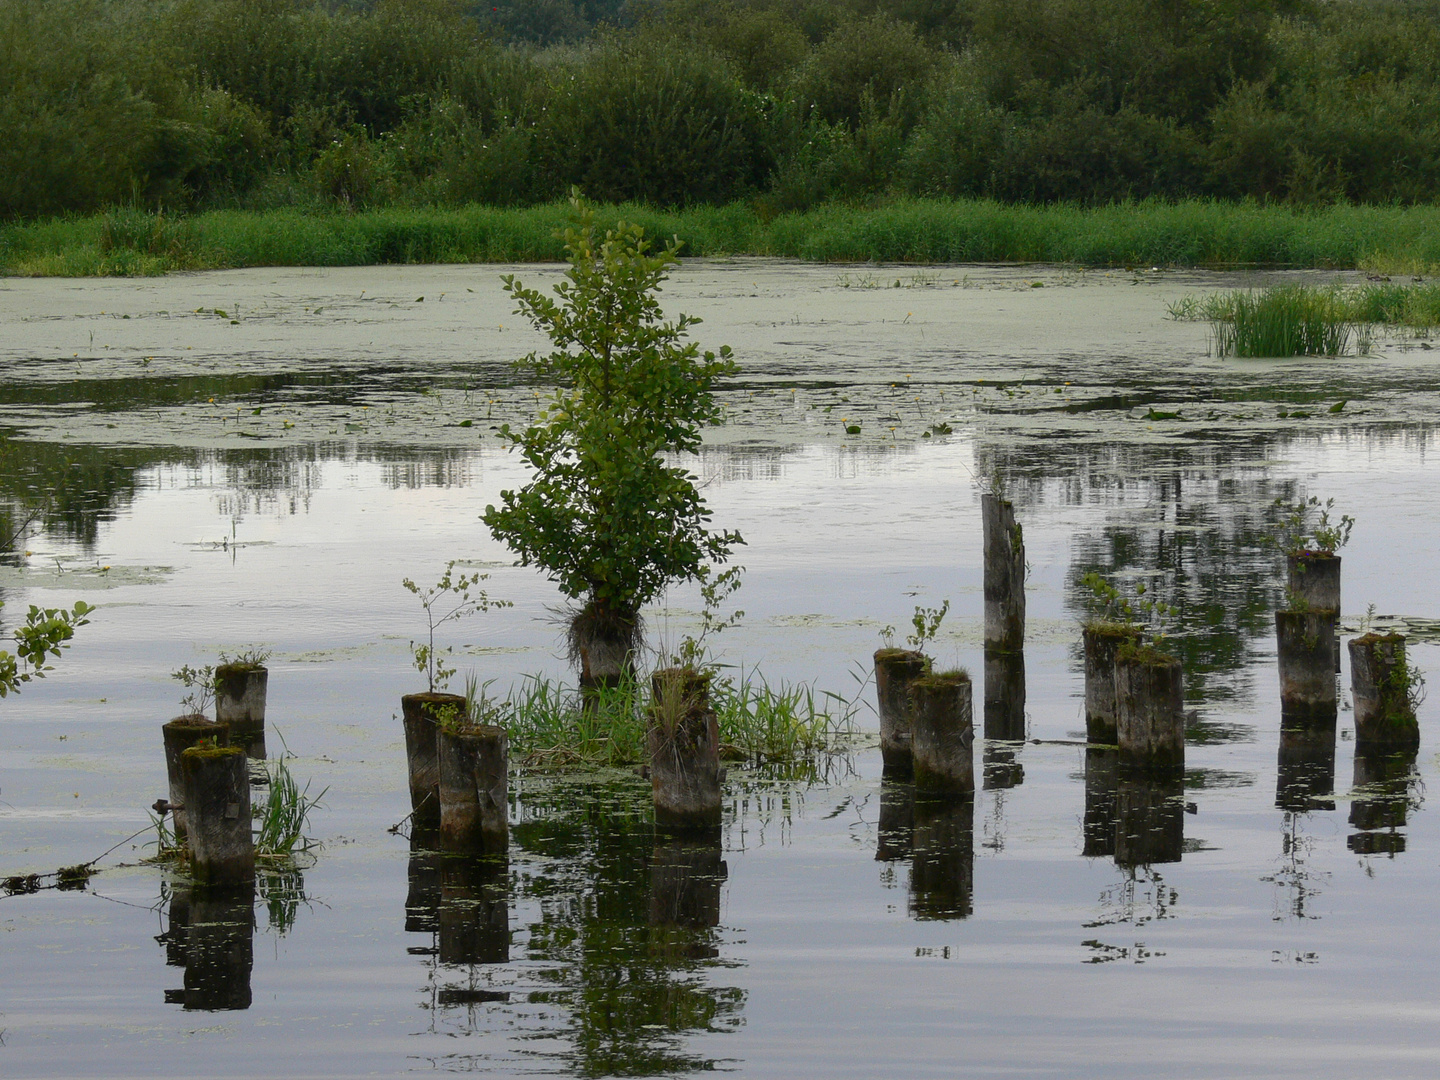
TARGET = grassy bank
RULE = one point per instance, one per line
(1154, 233)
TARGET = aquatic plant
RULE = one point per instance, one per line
(454, 596)
(1283, 321)
(605, 515)
(284, 815)
(1138, 610)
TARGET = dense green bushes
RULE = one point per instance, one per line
(269, 104)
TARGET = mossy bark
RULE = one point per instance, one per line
(1102, 642)
(216, 785)
(240, 691)
(1380, 689)
(179, 735)
(421, 715)
(1149, 714)
(1314, 580)
(943, 739)
(895, 672)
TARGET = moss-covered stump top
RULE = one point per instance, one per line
(1105, 628)
(893, 655)
(943, 680)
(1146, 656)
(195, 722)
(478, 731)
(211, 753)
(1376, 638)
(234, 670)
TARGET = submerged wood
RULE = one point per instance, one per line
(895, 672)
(1305, 653)
(1379, 687)
(1102, 642)
(421, 714)
(474, 798)
(1314, 580)
(1004, 575)
(180, 734)
(1149, 714)
(942, 868)
(240, 702)
(216, 785)
(943, 741)
(683, 740)
(1305, 769)
(1004, 695)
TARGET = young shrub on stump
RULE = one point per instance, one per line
(607, 516)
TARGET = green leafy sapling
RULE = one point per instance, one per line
(927, 624)
(44, 635)
(200, 686)
(453, 597)
(1109, 604)
(608, 514)
(693, 651)
(1306, 528)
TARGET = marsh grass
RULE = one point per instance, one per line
(1283, 321)
(901, 230)
(281, 821)
(760, 724)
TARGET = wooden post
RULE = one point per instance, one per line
(1150, 713)
(1314, 581)
(944, 734)
(942, 871)
(240, 702)
(474, 803)
(1101, 779)
(1004, 575)
(1102, 642)
(421, 714)
(1380, 688)
(216, 783)
(895, 672)
(1305, 650)
(180, 734)
(684, 744)
(1004, 695)
(1149, 814)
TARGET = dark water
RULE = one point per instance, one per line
(1266, 913)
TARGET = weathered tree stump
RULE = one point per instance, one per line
(942, 869)
(1101, 779)
(1380, 688)
(216, 786)
(180, 734)
(240, 702)
(1004, 695)
(474, 796)
(683, 740)
(1004, 575)
(1305, 649)
(422, 715)
(895, 672)
(1314, 580)
(1150, 713)
(1102, 642)
(943, 738)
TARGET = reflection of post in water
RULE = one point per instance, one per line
(1149, 814)
(897, 820)
(1381, 801)
(942, 870)
(211, 934)
(1002, 766)
(474, 913)
(1004, 694)
(422, 901)
(1305, 774)
(686, 873)
(1101, 778)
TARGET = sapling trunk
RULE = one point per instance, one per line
(180, 734)
(240, 702)
(895, 672)
(1305, 649)
(474, 804)
(216, 785)
(943, 741)
(1102, 642)
(422, 715)
(684, 746)
(1004, 575)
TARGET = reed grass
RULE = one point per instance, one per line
(551, 729)
(1283, 321)
(1150, 233)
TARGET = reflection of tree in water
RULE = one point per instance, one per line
(1295, 883)
(1141, 896)
(627, 927)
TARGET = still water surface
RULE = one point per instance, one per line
(268, 475)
